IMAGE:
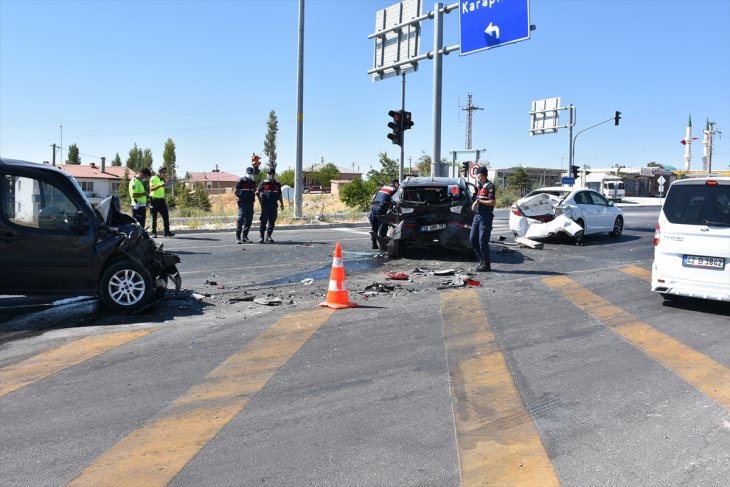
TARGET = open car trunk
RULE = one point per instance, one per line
(546, 216)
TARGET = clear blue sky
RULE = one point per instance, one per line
(207, 73)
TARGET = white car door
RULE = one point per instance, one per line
(589, 210)
(602, 212)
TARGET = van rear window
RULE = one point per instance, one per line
(694, 204)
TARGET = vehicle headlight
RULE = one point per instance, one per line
(406, 210)
(456, 209)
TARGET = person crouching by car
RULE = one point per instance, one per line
(481, 227)
(139, 195)
(269, 194)
(379, 207)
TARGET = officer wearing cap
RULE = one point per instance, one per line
(379, 207)
(269, 194)
(245, 197)
(481, 227)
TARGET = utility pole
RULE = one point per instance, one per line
(469, 109)
(710, 132)
(298, 173)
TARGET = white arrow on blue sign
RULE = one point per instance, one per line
(484, 24)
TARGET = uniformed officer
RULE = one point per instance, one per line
(138, 192)
(158, 203)
(481, 227)
(269, 194)
(246, 197)
(379, 207)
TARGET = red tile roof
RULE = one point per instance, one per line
(94, 172)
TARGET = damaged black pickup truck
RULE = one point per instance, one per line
(52, 241)
(430, 212)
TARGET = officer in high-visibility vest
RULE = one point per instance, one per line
(481, 226)
(158, 205)
(379, 207)
(139, 193)
(269, 194)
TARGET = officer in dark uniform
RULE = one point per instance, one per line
(269, 194)
(246, 197)
(481, 227)
(379, 207)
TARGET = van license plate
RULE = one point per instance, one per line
(433, 228)
(704, 262)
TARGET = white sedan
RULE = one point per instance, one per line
(576, 212)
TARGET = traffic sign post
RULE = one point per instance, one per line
(485, 24)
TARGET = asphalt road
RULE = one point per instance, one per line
(561, 368)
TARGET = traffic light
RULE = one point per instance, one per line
(465, 167)
(396, 127)
(574, 171)
(407, 123)
(616, 118)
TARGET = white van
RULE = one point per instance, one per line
(692, 240)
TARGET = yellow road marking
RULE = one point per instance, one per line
(15, 376)
(699, 370)
(154, 454)
(498, 442)
(637, 272)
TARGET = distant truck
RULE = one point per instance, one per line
(612, 187)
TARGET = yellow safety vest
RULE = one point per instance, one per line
(136, 186)
(160, 192)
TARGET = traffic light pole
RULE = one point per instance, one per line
(403, 135)
(572, 148)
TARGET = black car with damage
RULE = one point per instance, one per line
(52, 241)
(430, 212)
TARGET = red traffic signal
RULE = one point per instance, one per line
(406, 122)
(396, 127)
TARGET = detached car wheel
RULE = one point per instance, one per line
(618, 227)
(125, 286)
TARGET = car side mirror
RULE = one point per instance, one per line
(610, 203)
(82, 223)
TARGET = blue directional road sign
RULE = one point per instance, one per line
(484, 24)
(567, 181)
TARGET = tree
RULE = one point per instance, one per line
(123, 189)
(358, 193)
(134, 161)
(183, 198)
(73, 155)
(519, 180)
(117, 161)
(388, 170)
(200, 198)
(272, 127)
(655, 164)
(147, 159)
(423, 166)
(326, 174)
(286, 178)
(169, 159)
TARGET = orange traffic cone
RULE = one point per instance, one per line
(337, 297)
